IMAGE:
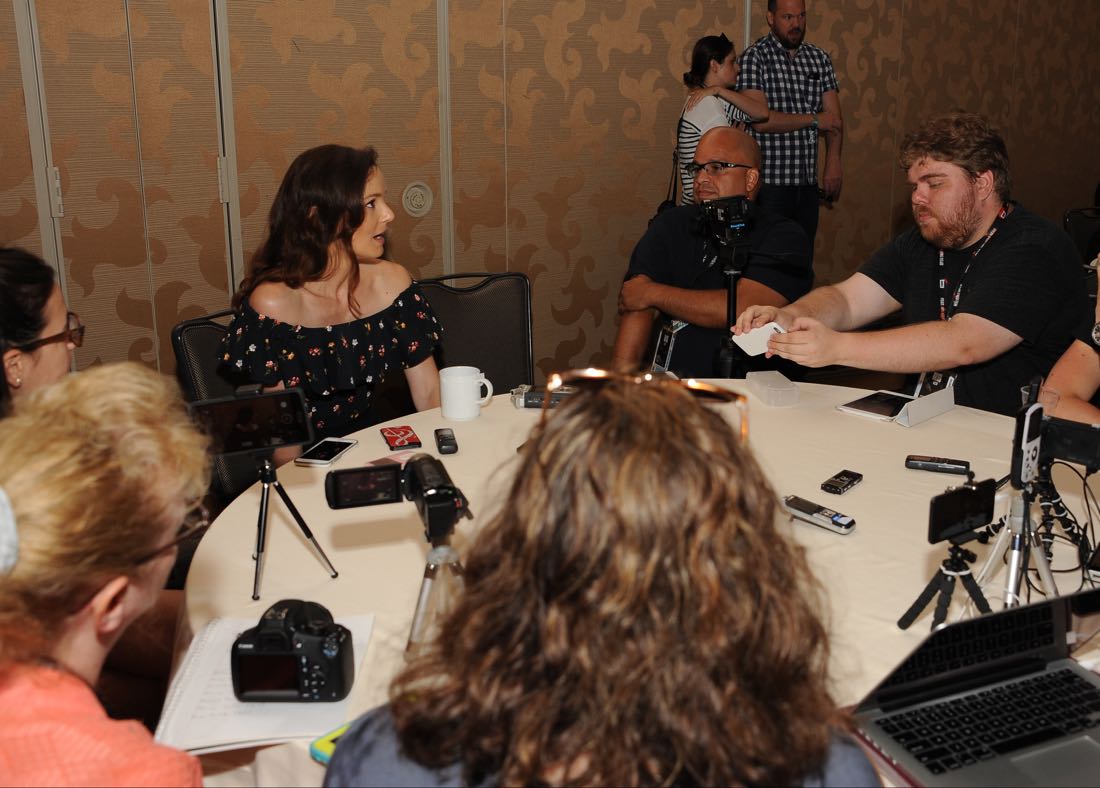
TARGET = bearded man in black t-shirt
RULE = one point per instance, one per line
(990, 292)
(675, 272)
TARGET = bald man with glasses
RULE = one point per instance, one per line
(675, 275)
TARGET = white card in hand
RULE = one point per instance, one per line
(755, 342)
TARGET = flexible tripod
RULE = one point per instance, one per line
(956, 565)
(1023, 538)
(269, 480)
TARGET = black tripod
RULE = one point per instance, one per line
(957, 564)
(269, 480)
(735, 258)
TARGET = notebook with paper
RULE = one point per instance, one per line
(994, 700)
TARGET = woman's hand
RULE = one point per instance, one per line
(698, 94)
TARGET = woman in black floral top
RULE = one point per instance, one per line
(319, 308)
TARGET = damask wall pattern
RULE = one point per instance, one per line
(562, 125)
(18, 214)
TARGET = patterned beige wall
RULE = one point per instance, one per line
(348, 72)
(562, 125)
(18, 215)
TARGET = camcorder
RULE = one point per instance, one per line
(253, 420)
(424, 481)
(727, 220)
(296, 653)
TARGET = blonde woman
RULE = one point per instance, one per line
(632, 616)
(100, 475)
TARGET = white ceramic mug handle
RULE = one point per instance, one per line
(484, 381)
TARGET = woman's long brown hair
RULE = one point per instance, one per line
(319, 204)
(632, 615)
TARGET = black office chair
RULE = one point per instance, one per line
(197, 346)
(486, 321)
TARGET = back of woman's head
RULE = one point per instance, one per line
(96, 467)
(25, 286)
(706, 49)
(632, 612)
(319, 203)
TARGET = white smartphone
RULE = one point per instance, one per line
(755, 342)
(325, 452)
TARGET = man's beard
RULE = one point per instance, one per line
(787, 41)
(954, 230)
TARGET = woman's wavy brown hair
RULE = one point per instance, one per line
(319, 205)
(632, 616)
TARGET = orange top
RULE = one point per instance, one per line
(53, 731)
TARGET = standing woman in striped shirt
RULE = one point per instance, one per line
(711, 102)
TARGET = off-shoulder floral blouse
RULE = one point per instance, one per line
(336, 366)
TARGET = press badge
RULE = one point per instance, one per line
(662, 357)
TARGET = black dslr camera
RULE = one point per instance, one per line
(296, 653)
(423, 480)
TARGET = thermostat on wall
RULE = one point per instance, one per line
(417, 199)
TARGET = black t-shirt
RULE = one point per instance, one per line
(1027, 279)
(676, 251)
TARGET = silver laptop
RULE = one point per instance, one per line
(994, 700)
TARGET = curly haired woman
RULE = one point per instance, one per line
(632, 616)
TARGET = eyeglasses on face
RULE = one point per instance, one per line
(191, 530)
(697, 388)
(74, 333)
(713, 168)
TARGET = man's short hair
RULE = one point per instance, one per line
(965, 139)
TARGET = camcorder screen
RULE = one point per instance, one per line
(367, 486)
(267, 674)
(254, 422)
(959, 511)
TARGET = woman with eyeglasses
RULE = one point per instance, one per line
(711, 102)
(632, 615)
(320, 309)
(37, 332)
(99, 477)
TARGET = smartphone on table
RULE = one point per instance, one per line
(325, 452)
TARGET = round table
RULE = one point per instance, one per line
(869, 577)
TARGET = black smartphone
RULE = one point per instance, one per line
(254, 422)
(840, 483)
(959, 511)
(445, 440)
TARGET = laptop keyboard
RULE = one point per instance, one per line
(957, 733)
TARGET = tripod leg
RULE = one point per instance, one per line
(975, 592)
(304, 528)
(261, 539)
(1045, 575)
(921, 602)
(947, 588)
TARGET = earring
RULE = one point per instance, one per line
(18, 382)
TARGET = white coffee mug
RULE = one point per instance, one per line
(460, 392)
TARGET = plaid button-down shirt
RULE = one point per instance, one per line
(793, 85)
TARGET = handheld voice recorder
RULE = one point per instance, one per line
(818, 515)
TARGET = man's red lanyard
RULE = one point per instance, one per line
(958, 288)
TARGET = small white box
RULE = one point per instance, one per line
(772, 388)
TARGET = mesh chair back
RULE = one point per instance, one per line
(486, 321)
(197, 346)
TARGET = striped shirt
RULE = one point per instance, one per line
(711, 112)
(792, 85)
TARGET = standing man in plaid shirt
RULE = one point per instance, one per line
(798, 83)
